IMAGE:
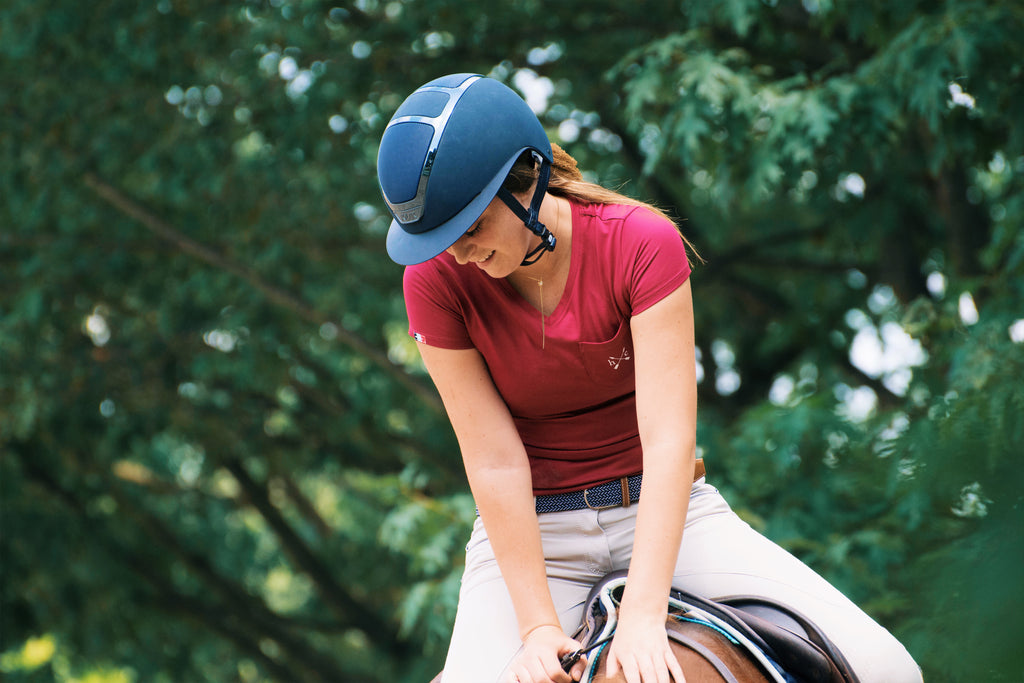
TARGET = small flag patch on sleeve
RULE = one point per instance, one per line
(419, 337)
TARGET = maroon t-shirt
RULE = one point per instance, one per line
(573, 401)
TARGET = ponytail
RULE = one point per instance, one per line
(567, 181)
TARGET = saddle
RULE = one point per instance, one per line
(732, 639)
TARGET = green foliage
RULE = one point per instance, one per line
(220, 458)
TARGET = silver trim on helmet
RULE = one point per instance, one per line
(412, 210)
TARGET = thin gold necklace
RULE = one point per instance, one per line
(540, 282)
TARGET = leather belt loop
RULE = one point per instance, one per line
(624, 482)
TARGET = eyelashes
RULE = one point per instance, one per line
(473, 231)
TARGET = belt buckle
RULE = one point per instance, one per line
(586, 501)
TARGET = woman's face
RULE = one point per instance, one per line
(497, 242)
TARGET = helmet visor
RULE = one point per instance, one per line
(408, 249)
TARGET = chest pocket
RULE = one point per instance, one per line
(610, 363)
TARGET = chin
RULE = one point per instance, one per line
(495, 267)
(494, 273)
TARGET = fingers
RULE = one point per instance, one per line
(540, 660)
(674, 667)
(576, 672)
(536, 672)
(612, 665)
(646, 669)
(542, 669)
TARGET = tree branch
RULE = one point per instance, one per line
(304, 504)
(341, 602)
(243, 618)
(276, 295)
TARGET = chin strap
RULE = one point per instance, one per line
(530, 218)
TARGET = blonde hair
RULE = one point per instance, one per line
(567, 181)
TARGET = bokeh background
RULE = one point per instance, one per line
(220, 457)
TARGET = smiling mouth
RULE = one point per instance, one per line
(485, 259)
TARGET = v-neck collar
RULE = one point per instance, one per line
(567, 293)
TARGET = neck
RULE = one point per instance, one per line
(555, 213)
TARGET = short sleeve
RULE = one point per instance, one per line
(659, 265)
(435, 315)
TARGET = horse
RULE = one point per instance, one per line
(731, 640)
(739, 639)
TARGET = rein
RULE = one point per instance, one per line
(601, 619)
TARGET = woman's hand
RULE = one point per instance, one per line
(640, 650)
(540, 659)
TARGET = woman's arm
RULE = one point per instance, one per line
(666, 401)
(499, 477)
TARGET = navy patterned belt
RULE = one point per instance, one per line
(618, 492)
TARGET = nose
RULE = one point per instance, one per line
(461, 250)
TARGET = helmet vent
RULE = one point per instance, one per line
(428, 97)
(400, 187)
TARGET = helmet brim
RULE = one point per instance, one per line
(409, 249)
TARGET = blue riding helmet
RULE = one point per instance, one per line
(443, 158)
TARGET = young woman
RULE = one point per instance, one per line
(555, 318)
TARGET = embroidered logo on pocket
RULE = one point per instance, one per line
(616, 361)
(609, 363)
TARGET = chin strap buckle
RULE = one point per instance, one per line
(530, 217)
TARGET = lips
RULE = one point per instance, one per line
(485, 259)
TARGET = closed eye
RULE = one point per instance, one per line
(473, 231)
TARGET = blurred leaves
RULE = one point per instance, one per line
(220, 457)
